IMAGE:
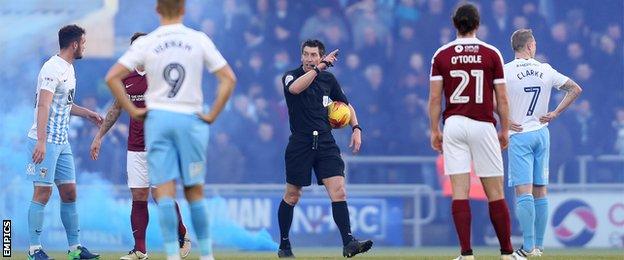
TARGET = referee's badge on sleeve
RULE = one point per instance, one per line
(326, 101)
(288, 79)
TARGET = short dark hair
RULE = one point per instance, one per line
(520, 38)
(314, 43)
(170, 8)
(136, 35)
(69, 34)
(466, 18)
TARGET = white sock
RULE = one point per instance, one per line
(206, 257)
(32, 249)
(73, 247)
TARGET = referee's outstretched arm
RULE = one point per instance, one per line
(303, 82)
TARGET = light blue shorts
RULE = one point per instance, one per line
(57, 166)
(528, 158)
(176, 147)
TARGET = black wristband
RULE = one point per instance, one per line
(356, 127)
(327, 63)
(318, 71)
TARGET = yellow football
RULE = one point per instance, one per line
(339, 114)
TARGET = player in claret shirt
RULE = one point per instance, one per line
(138, 179)
(470, 72)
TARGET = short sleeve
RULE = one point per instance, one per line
(49, 78)
(134, 56)
(557, 79)
(287, 80)
(498, 73)
(213, 60)
(336, 93)
(435, 71)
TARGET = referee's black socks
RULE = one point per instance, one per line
(285, 217)
(341, 217)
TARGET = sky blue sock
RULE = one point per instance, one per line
(525, 211)
(69, 217)
(541, 217)
(199, 216)
(168, 220)
(35, 222)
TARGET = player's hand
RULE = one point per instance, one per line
(39, 152)
(436, 140)
(356, 141)
(206, 118)
(331, 58)
(95, 148)
(503, 139)
(138, 114)
(95, 118)
(550, 116)
(516, 127)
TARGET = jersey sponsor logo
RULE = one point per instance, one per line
(459, 48)
(471, 48)
(288, 79)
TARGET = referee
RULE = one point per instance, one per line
(308, 90)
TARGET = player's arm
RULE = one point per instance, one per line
(94, 117)
(43, 112)
(111, 117)
(435, 110)
(502, 109)
(227, 81)
(356, 136)
(114, 79)
(303, 82)
(573, 91)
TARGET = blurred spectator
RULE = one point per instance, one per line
(585, 126)
(500, 23)
(226, 163)
(284, 25)
(369, 21)
(406, 12)
(266, 155)
(325, 17)
(618, 125)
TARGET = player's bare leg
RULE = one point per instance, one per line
(69, 217)
(499, 213)
(292, 194)
(164, 195)
(460, 210)
(338, 194)
(199, 216)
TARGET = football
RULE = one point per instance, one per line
(339, 114)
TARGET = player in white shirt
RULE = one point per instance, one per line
(176, 130)
(52, 158)
(529, 83)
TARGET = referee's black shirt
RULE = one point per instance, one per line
(306, 110)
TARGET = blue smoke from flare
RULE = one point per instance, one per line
(103, 208)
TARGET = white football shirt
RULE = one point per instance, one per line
(529, 83)
(57, 76)
(174, 57)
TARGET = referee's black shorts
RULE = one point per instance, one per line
(301, 158)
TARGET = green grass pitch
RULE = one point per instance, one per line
(428, 253)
